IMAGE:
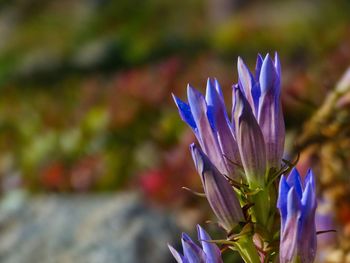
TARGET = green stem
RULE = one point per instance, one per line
(247, 250)
(261, 207)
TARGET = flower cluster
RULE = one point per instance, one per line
(239, 161)
(254, 137)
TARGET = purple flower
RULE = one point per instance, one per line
(255, 137)
(207, 116)
(297, 204)
(250, 140)
(219, 192)
(192, 253)
(262, 91)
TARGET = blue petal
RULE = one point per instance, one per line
(221, 197)
(198, 161)
(250, 140)
(282, 199)
(207, 137)
(212, 95)
(178, 257)
(259, 61)
(268, 75)
(249, 86)
(245, 79)
(294, 180)
(256, 93)
(307, 232)
(293, 202)
(289, 235)
(234, 105)
(278, 65)
(213, 102)
(197, 103)
(211, 118)
(308, 200)
(272, 126)
(278, 77)
(211, 250)
(270, 115)
(213, 92)
(224, 131)
(310, 178)
(192, 252)
(218, 89)
(185, 112)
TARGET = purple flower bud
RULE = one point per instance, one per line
(297, 205)
(192, 253)
(223, 127)
(250, 139)
(259, 61)
(270, 116)
(249, 85)
(211, 250)
(263, 94)
(208, 119)
(219, 192)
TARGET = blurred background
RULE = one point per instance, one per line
(93, 154)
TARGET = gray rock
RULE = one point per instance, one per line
(89, 229)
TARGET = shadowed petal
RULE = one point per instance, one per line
(298, 231)
(227, 142)
(197, 104)
(259, 61)
(270, 116)
(178, 257)
(250, 140)
(294, 180)
(307, 238)
(282, 200)
(219, 192)
(293, 204)
(246, 80)
(192, 252)
(249, 86)
(207, 138)
(289, 236)
(272, 126)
